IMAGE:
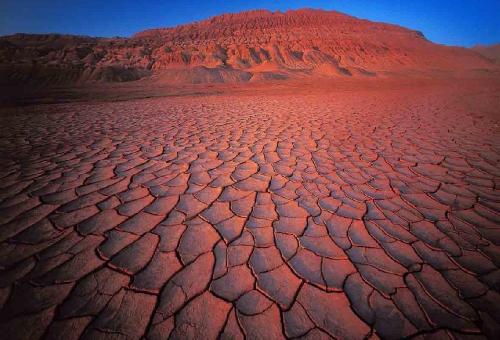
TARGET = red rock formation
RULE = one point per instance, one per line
(248, 46)
(489, 51)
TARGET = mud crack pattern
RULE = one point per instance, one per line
(260, 217)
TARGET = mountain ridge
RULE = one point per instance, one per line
(255, 45)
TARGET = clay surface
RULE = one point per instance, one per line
(342, 211)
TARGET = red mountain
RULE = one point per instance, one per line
(489, 51)
(248, 46)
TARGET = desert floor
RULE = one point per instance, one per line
(333, 211)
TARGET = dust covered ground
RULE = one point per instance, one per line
(332, 213)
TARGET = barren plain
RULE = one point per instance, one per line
(343, 211)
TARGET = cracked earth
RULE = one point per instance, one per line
(342, 215)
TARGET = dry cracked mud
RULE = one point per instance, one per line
(370, 214)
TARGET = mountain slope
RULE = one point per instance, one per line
(489, 51)
(248, 46)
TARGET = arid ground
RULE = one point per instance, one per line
(342, 211)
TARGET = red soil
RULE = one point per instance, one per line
(358, 199)
(346, 212)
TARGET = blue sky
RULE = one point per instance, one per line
(452, 22)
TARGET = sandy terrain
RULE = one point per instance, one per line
(340, 212)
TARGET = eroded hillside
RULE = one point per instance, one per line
(248, 46)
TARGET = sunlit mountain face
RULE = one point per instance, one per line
(248, 46)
